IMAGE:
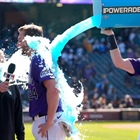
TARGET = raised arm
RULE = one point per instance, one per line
(116, 57)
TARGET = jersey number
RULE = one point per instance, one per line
(33, 94)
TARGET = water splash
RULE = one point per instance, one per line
(68, 98)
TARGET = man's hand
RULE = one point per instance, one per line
(4, 86)
(107, 32)
(43, 128)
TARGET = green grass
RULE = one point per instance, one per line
(28, 132)
(101, 130)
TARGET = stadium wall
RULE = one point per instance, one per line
(110, 114)
(102, 114)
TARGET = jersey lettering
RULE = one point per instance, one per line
(46, 72)
(33, 94)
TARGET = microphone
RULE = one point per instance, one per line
(9, 75)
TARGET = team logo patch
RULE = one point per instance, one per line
(46, 72)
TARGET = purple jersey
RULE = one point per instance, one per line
(136, 65)
(37, 91)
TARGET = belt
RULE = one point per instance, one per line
(37, 117)
(57, 116)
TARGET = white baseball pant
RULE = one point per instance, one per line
(54, 133)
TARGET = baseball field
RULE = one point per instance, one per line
(101, 130)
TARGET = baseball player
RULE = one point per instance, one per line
(44, 103)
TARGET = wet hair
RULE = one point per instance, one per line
(31, 30)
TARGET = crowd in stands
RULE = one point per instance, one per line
(78, 66)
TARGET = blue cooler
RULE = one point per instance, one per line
(116, 13)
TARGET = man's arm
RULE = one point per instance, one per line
(52, 97)
(116, 57)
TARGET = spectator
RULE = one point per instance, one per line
(85, 103)
(128, 101)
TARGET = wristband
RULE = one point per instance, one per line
(112, 43)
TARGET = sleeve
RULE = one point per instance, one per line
(136, 65)
(19, 125)
(41, 71)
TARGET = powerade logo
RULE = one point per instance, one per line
(121, 10)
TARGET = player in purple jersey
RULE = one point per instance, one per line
(130, 65)
(45, 105)
(39, 71)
